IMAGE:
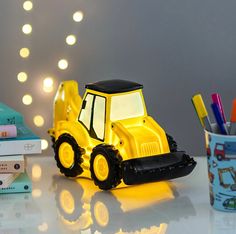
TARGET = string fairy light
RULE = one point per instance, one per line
(27, 29)
(24, 52)
(62, 64)
(48, 82)
(28, 5)
(78, 16)
(27, 99)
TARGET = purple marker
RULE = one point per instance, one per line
(217, 100)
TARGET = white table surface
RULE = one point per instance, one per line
(60, 205)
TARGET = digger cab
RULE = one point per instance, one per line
(106, 102)
(114, 112)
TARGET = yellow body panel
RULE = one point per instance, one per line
(132, 137)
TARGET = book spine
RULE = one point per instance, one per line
(12, 166)
(8, 131)
(7, 179)
(23, 187)
(20, 147)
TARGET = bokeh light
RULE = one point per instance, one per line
(28, 5)
(71, 39)
(36, 172)
(43, 227)
(27, 99)
(78, 16)
(44, 144)
(63, 64)
(48, 84)
(22, 77)
(37, 193)
(24, 52)
(27, 29)
(38, 120)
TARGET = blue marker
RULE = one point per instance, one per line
(219, 119)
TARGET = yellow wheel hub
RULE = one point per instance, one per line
(66, 155)
(100, 167)
(67, 202)
(101, 214)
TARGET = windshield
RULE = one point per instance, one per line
(126, 106)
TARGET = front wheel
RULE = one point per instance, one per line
(68, 155)
(105, 167)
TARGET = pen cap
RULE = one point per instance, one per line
(233, 112)
(199, 107)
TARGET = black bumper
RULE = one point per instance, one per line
(157, 168)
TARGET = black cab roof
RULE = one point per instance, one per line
(114, 86)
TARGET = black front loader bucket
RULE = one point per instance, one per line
(157, 168)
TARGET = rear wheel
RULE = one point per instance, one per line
(68, 155)
(105, 167)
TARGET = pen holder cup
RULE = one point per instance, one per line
(221, 154)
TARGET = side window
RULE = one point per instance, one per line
(85, 114)
(220, 147)
(99, 117)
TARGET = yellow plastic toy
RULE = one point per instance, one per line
(109, 137)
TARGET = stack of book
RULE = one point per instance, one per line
(16, 140)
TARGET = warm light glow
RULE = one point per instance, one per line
(27, 99)
(44, 144)
(27, 29)
(71, 39)
(78, 16)
(36, 193)
(63, 64)
(36, 172)
(27, 5)
(24, 52)
(22, 77)
(48, 84)
(43, 227)
(38, 120)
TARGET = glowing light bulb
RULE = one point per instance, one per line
(78, 16)
(71, 39)
(48, 84)
(24, 52)
(27, 99)
(63, 64)
(28, 5)
(44, 144)
(22, 77)
(38, 120)
(27, 29)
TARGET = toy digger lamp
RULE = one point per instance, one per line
(108, 136)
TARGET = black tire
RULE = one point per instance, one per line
(172, 143)
(113, 159)
(53, 142)
(75, 169)
(219, 157)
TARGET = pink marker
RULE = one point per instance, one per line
(217, 100)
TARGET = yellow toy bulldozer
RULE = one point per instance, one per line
(108, 136)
